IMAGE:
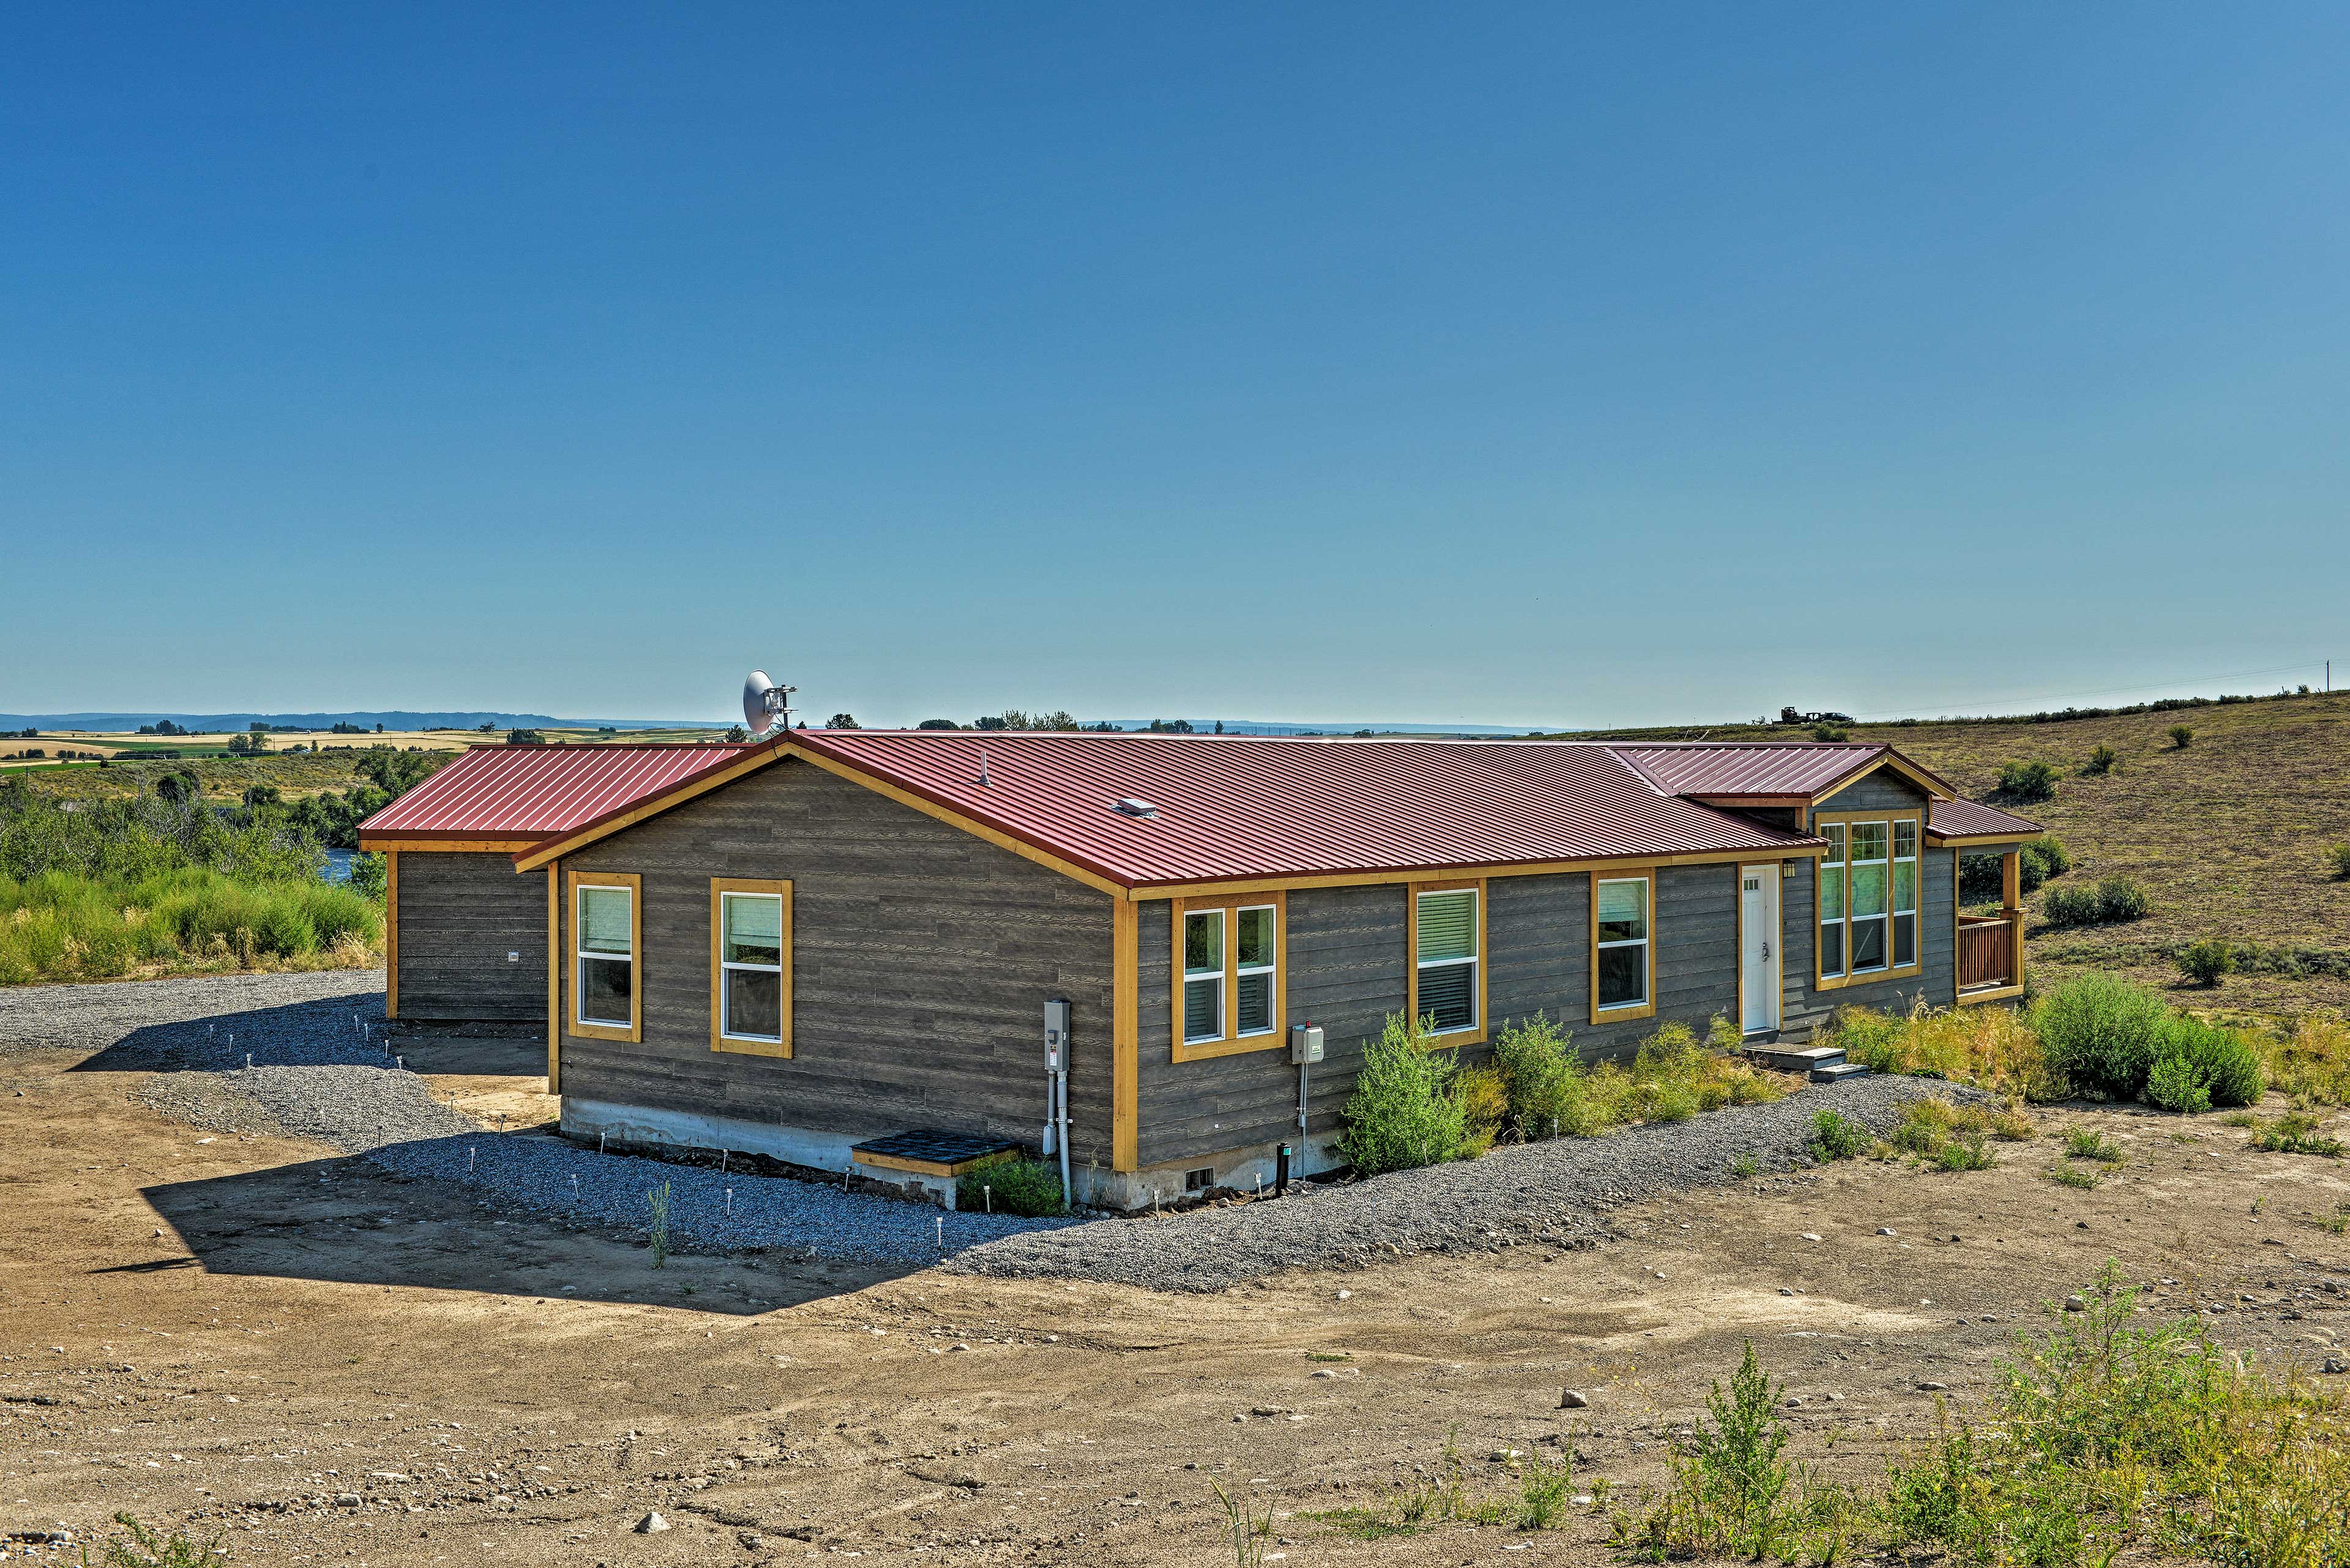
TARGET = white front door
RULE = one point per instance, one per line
(1758, 959)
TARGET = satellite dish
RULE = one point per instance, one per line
(765, 705)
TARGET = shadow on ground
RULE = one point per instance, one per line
(331, 1029)
(347, 1221)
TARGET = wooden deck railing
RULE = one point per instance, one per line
(1986, 950)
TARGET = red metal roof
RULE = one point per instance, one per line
(1971, 818)
(534, 792)
(1792, 771)
(1231, 808)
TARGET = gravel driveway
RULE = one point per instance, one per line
(317, 1070)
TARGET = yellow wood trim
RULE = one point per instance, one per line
(451, 845)
(1477, 873)
(930, 1166)
(2011, 896)
(834, 765)
(2004, 994)
(554, 984)
(780, 1048)
(635, 884)
(1936, 788)
(1648, 1008)
(1456, 1037)
(1821, 981)
(1231, 1044)
(579, 838)
(1948, 840)
(391, 933)
(976, 828)
(1126, 1035)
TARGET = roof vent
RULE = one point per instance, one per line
(1130, 806)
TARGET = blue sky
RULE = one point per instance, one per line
(1508, 365)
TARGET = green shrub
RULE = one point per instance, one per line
(2101, 759)
(2070, 907)
(2337, 856)
(2120, 898)
(2102, 1033)
(2181, 737)
(1540, 1076)
(1403, 1112)
(1836, 1137)
(2224, 1061)
(1028, 1188)
(1835, 734)
(2027, 782)
(2205, 962)
(2087, 1143)
(2175, 1085)
(1484, 1108)
(2050, 852)
(2294, 1134)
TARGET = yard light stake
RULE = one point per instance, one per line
(941, 1223)
(469, 1160)
(729, 1203)
(575, 1189)
(987, 1196)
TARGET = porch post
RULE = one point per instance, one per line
(2010, 898)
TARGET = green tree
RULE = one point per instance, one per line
(842, 722)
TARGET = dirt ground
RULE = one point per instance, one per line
(256, 1337)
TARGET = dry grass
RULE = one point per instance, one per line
(1994, 1048)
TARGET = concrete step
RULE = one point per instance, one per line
(1796, 1058)
(1838, 1071)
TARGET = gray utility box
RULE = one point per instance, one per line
(1304, 1045)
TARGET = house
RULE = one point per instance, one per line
(465, 938)
(833, 937)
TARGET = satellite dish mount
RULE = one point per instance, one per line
(766, 706)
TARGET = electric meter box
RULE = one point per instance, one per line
(1304, 1045)
(1057, 1034)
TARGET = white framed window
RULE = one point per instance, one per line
(750, 966)
(1204, 976)
(1869, 892)
(1905, 894)
(1447, 933)
(1866, 871)
(1619, 945)
(604, 959)
(1255, 960)
(1228, 974)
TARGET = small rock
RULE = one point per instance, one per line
(1345, 1295)
(651, 1525)
(2076, 1304)
(1887, 1231)
(1795, 1401)
(348, 1500)
(1925, 1386)
(2335, 1363)
(1811, 1235)
(1571, 1399)
(1785, 1292)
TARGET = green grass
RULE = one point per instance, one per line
(2103, 1438)
(1030, 1187)
(59, 926)
(2294, 1132)
(2087, 1143)
(2073, 1177)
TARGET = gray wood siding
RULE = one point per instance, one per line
(1806, 1010)
(460, 915)
(922, 957)
(1347, 955)
(1879, 791)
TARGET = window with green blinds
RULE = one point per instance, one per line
(1447, 941)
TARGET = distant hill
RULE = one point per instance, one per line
(403, 719)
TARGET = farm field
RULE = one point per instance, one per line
(229, 1330)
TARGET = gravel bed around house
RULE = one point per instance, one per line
(1557, 1192)
(319, 1069)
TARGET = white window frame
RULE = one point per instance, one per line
(1884, 917)
(1477, 924)
(1894, 861)
(1643, 1003)
(582, 956)
(1240, 971)
(727, 1030)
(1191, 977)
